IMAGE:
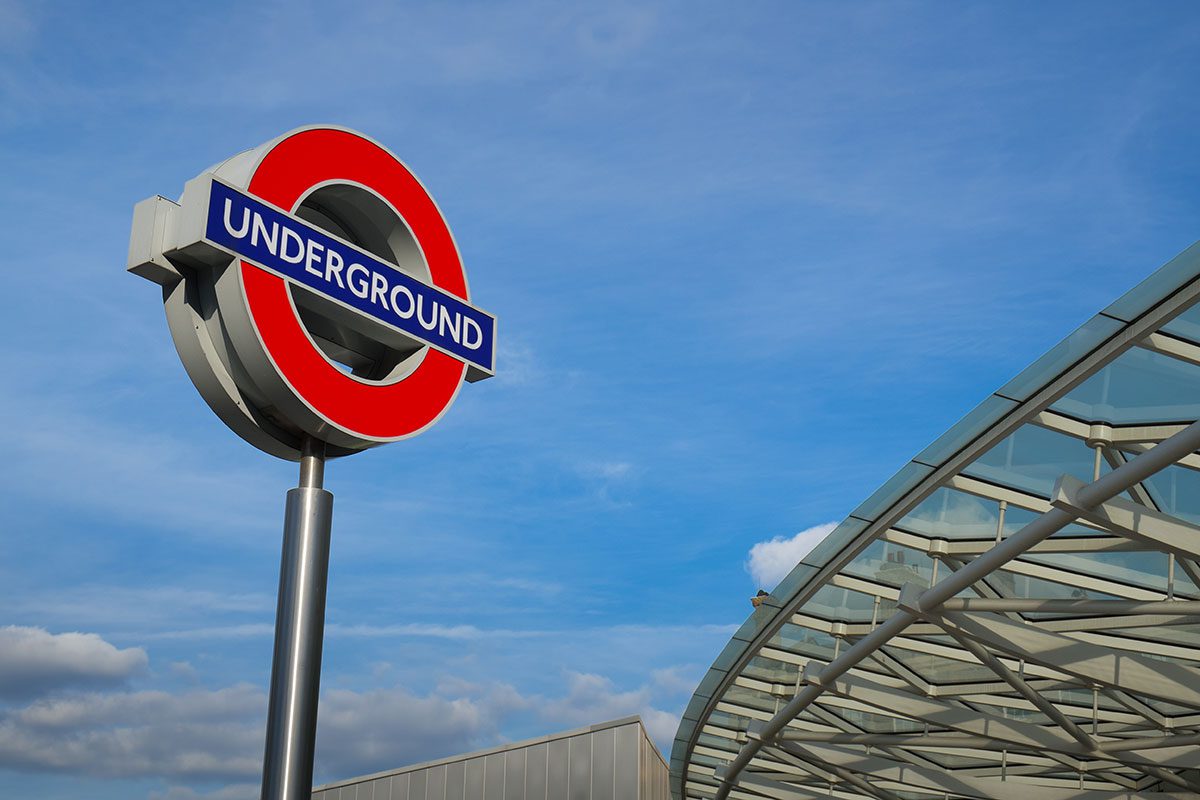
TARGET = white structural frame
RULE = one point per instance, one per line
(1089, 692)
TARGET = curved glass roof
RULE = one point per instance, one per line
(1015, 614)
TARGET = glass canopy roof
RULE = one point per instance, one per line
(1015, 614)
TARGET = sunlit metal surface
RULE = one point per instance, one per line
(1015, 614)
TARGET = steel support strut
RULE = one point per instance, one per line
(299, 630)
(1108, 486)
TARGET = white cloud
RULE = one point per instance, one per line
(198, 734)
(593, 698)
(206, 736)
(363, 732)
(34, 661)
(772, 560)
(677, 680)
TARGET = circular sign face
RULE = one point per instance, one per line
(313, 289)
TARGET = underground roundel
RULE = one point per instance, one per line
(312, 288)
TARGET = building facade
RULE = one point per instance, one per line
(611, 761)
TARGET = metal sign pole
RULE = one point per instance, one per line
(299, 630)
(254, 359)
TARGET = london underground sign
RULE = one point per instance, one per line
(290, 248)
(313, 289)
(319, 304)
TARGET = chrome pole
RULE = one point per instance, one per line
(299, 630)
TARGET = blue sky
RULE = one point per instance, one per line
(746, 263)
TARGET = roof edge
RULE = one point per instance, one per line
(504, 748)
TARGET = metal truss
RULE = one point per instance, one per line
(1062, 741)
(1026, 661)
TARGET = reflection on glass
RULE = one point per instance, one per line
(1016, 518)
(1033, 458)
(876, 723)
(1186, 325)
(803, 641)
(750, 698)
(1145, 569)
(892, 565)
(1011, 584)
(1176, 490)
(1140, 386)
(768, 669)
(950, 514)
(841, 605)
(939, 669)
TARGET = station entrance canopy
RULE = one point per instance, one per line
(1015, 614)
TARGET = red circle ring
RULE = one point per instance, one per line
(376, 412)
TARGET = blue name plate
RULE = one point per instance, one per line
(293, 249)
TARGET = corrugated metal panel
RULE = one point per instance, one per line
(579, 781)
(628, 749)
(456, 780)
(613, 761)
(514, 775)
(556, 782)
(474, 789)
(493, 777)
(604, 754)
(435, 789)
(536, 771)
(417, 782)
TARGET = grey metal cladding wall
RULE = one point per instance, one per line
(614, 761)
(654, 776)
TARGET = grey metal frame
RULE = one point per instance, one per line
(1025, 730)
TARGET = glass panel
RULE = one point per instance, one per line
(896, 487)
(840, 605)
(1165, 280)
(1061, 357)
(829, 547)
(966, 430)
(892, 565)
(733, 722)
(804, 641)
(1177, 635)
(1033, 458)
(705, 760)
(1083, 699)
(950, 514)
(750, 698)
(1147, 569)
(1010, 584)
(939, 669)
(1016, 518)
(875, 723)
(950, 761)
(717, 742)
(1012, 711)
(1176, 490)
(768, 669)
(1138, 387)
(1186, 325)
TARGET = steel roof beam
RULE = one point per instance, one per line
(1131, 520)
(1058, 606)
(959, 785)
(1105, 488)
(1004, 732)
(1089, 663)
